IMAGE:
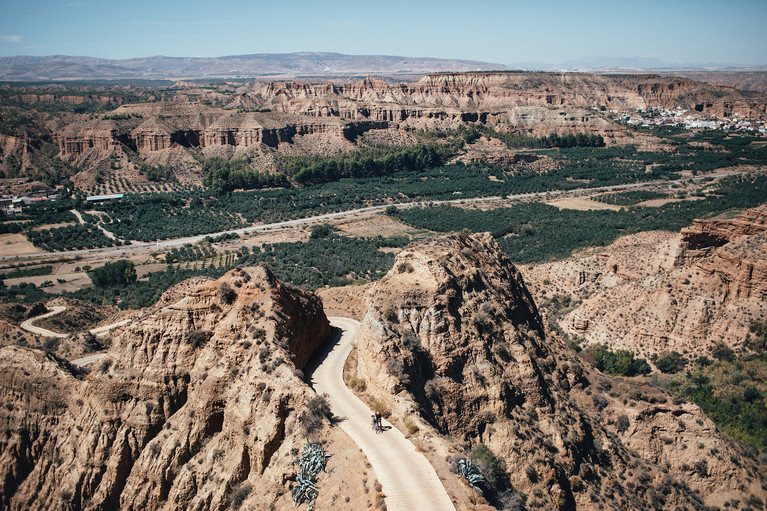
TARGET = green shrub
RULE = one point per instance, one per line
(493, 467)
(27, 272)
(118, 273)
(623, 423)
(620, 362)
(226, 294)
(198, 338)
(721, 351)
(670, 362)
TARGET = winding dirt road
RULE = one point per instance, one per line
(408, 480)
(29, 327)
(98, 332)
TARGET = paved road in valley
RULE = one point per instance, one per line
(333, 216)
(408, 480)
(90, 359)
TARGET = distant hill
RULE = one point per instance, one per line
(63, 67)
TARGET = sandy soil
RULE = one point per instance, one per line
(16, 244)
(346, 301)
(36, 280)
(143, 269)
(282, 236)
(370, 226)
(581, 204)
(656, 203)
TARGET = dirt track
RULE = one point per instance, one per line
(408, 480)
(27, 325)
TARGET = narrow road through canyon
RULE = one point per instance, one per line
(408, 480)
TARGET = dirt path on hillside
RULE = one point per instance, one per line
(408, 480)
(95, 357)
(28, 326)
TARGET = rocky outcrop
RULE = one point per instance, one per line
(241, 132)
(510, 100)
(704, 234)
(201, 397)
(97, 136)
(236, 121)
(491, 92)
(656, 292)
(453, 336)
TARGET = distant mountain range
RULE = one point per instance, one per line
(62, 67)
(627, 64)
(304, 64)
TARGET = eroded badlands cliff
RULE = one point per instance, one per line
(180, 125)
(656, 292)
(453, 337)
(199, 405)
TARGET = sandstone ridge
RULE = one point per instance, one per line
(200, 400)
(656, 292)
(257, 119)
(453, 336)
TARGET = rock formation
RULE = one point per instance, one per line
(486, 94)
(201, 400)
(453, 336)
(241, 120)
(656, 292)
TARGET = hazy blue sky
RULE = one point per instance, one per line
(506, 32)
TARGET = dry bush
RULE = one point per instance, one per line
(379, 406)
(317, 409)
(198, 338)
(226, 294)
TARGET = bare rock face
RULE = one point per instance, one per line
(199, 398)
(705, 234)
(488, 92)
(656, 292)
(452, 335)
(330, 117)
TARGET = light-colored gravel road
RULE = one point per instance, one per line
(99, 331)
(29, 327)
(90, 359)
(408, 480)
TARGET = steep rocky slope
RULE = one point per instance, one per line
(479, 94)
(452, 336)
(656, 292)
(198, 405)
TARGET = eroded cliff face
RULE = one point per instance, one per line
(452, 335)
(536, 103)
(485, 93)
(656, 292)
(198, 398)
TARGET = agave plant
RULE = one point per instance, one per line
(311, 462)
(471, 472)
